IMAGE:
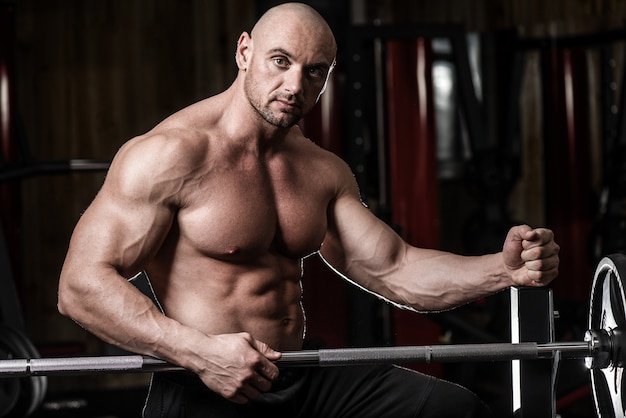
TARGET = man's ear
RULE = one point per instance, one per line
(244, 49)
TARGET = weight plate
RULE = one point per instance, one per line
(607, 311)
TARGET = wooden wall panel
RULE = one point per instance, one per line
(91, 75)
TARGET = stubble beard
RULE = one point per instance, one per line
(280, 119)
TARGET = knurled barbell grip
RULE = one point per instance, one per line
(78, 365)
(428, 354)
(434, 354)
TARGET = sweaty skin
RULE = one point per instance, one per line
(220, 203)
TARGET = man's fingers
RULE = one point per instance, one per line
(246, 369)
(268, 370)
(266, 366)
(255, 385)
(250, 391)
(266, 350)
(248, 388)
(263, 384)
(541, 264)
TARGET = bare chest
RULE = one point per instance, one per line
(240, 214)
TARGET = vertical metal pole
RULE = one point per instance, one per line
(532, 319)
(363, 308)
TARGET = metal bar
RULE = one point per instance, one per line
(42, 366)
(567, 349)
(449, 353)
(532, 319)
(321, 358)
(20, 171)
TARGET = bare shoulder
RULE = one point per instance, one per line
(327, 166)
(157, 163)
(165, 148)
(175, 146)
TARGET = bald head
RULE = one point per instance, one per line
(285, 62)
(303, 18)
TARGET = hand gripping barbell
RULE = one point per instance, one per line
(603, 348)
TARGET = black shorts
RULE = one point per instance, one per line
(321, 392)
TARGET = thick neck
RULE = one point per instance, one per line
(241, 120)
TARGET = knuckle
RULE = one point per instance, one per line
(273, 373)
(245, 335)
(230, 393)
(247, 376)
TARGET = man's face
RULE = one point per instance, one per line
(287, 72)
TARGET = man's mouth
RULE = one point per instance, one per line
(287, 103)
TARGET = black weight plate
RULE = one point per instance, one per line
(607, 311)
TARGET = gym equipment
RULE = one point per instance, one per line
(603, 348)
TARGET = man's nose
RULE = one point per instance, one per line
(293, 80)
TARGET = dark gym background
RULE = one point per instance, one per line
(459, 119)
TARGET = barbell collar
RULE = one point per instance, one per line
(572, 350)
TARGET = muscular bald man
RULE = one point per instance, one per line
(219, 204)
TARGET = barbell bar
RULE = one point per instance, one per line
(597, 344)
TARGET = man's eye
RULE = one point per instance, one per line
(281, 62)
(316, 72)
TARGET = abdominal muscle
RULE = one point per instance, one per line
(213, 296)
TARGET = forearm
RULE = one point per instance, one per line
(433, 280)
(111, 308)
(233, 365)
(430, 280)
